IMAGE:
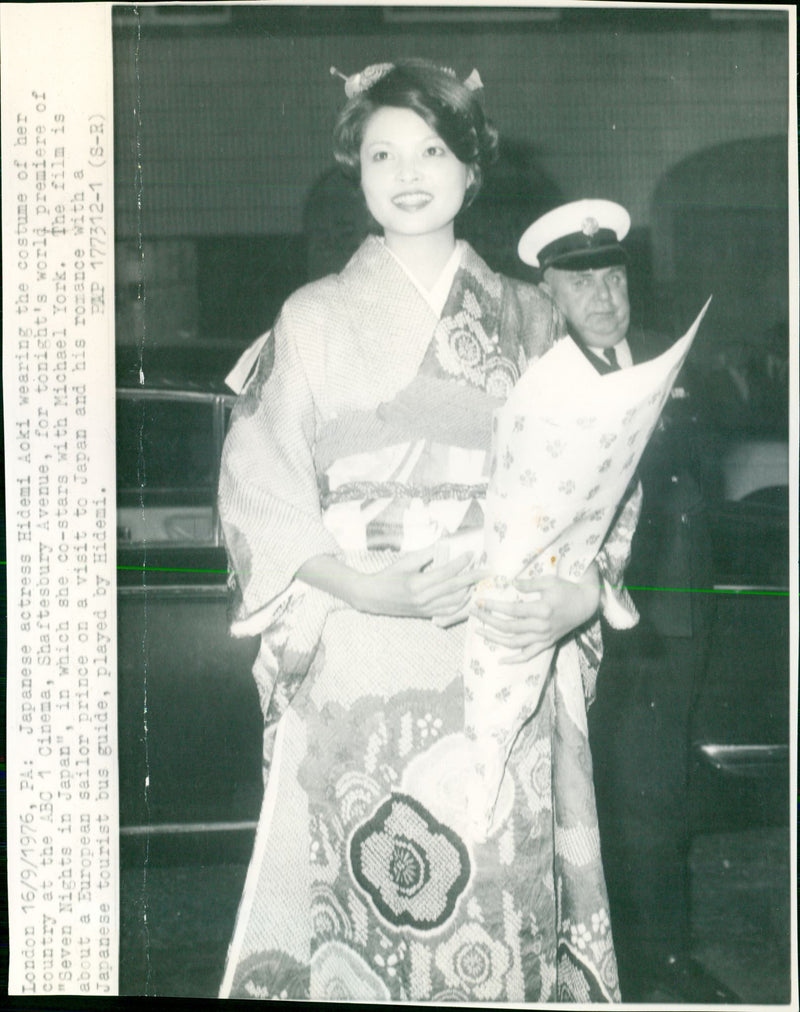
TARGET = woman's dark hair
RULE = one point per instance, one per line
(447, 105)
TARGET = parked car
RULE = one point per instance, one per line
(189, 719)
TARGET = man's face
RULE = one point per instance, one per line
(594, 302)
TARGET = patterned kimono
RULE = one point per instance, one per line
(370, 435)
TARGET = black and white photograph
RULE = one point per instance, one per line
(455, 386)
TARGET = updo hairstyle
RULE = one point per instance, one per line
(448, 106)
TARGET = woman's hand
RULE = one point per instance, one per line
(554, 608)
(412, 587)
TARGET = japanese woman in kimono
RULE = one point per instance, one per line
(356, 457)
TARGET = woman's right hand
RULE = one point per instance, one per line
(412, 587)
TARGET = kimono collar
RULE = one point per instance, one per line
(391, 323)
(436, 297)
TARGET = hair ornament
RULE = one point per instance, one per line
(474, 82)
(356, 84)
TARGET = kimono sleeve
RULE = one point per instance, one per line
(616, 604)
(532, 316)
(268, 496)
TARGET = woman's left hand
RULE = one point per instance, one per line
(554, 609)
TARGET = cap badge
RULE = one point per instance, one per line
(589, 227)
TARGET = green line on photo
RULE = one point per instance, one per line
(662, 590)
(711, 590)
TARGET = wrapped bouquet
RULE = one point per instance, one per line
(566, 445)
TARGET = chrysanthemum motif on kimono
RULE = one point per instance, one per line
(466, 341)
(464, 349)
(412, 867)
(473, 961)
(462, 345)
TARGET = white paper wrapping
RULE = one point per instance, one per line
(566, 445)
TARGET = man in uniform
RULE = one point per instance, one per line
(639, 722)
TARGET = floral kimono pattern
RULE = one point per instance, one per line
(370, 435)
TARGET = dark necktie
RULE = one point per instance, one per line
(611, 358)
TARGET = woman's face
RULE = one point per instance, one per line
(413, 183)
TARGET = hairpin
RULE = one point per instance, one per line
(356, 84)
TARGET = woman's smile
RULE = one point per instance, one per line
(413, 200)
